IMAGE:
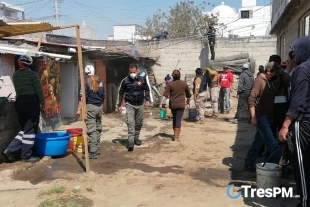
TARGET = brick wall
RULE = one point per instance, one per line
(9, 126)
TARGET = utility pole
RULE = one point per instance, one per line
(56, 14)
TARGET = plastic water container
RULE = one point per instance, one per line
(77, 141)
(192, 114)
(162, 114)
(52, 144)
(268, 176)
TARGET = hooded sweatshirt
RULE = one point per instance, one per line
(246, 80)
(262, 97)
(300, 82)
(226, 78)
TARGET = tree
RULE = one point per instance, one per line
(185, 19)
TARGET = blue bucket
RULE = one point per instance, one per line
(52, 144)
(192, 114)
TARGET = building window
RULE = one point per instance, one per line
(8, 13)
(305, 25)
(245, 14)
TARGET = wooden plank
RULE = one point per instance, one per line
(83, 99)
(40, 41)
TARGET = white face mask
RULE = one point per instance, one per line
(133, 75)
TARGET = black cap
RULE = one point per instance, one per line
(225, 67)
(199, 71)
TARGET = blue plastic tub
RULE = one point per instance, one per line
(52, 144)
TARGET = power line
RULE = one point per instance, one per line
(28, 2)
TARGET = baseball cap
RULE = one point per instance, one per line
(245, 66)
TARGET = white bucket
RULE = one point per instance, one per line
(268, 176)
(123, 110)
(192, 114)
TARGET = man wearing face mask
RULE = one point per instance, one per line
(136, 91)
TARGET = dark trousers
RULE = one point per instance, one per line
(242, 104)
(279, 115)
(28, 112)
(301, 160)
(212, 50)
(177, 117)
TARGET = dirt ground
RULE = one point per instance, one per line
(195, 172)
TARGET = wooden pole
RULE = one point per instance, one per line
(40, 41)
(83, 99)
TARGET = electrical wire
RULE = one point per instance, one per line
(40, 7)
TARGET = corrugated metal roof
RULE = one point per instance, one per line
(14, 29)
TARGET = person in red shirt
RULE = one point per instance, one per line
(225, 81)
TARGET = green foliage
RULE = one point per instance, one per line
(54, 190)
(185, 19)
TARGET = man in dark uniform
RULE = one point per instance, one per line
(29, 97)
(136, 91)
(211, 37)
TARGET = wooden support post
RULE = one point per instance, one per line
(83, 99)
(40, 41)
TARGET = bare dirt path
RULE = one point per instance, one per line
(195, 172)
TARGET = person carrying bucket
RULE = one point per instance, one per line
(95, 94)
(177, 90)
(261, 107)
(200, 94)
(29, 98)
(137, 94)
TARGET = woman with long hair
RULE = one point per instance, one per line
(177, 91)
(94, 92)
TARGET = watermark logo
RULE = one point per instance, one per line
(261, 193)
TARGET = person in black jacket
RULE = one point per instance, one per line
(211, 37)
(298, 119)
(245, 84)
(95, 94)
(136, 91)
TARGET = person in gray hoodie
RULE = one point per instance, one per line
(245, 83)
(298, 119)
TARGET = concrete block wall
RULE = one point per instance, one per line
(9, 126)
(188, 54)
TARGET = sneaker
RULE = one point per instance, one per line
(9, 155)
(31, 159)
(214, 116)
(199, 122)
(226, 112)
(234, 121)
(138, 142)
(250, 168)
(91, 156)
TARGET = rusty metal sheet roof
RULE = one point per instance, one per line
(14, 29)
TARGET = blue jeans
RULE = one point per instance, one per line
(225, 99)
(264, 136)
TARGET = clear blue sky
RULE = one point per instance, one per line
(103, 14)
